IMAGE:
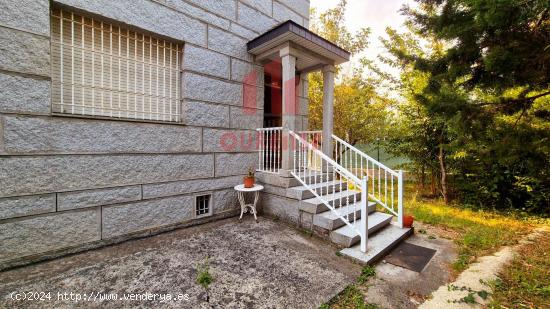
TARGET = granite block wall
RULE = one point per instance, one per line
(68, 183)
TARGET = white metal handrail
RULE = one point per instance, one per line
(313, 137)
(270, 149)
(359, 152)
(315, 170)
(350, 168)
(386, 184)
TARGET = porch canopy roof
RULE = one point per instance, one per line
(312, 51)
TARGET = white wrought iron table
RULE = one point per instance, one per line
(241, 190)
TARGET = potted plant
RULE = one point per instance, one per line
(408, 220)
(249, 179)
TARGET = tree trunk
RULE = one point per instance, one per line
(441, 158)
(423, 177)
(432, 183)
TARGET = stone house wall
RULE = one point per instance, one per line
(71, 183)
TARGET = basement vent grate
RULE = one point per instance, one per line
(203, 205)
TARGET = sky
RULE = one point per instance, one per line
(375, 14)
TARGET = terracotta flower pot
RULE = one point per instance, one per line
(408, 221)
(248, 181)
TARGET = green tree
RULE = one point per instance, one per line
(418, 133)
(360, 114)
(482, 78)
(493, 45)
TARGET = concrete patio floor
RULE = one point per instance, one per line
(263, 265)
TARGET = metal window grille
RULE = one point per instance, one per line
(202, 205)
(106, 70)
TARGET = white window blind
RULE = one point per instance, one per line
(101, 69)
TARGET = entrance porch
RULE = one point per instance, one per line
(288, 53)
(315, 179)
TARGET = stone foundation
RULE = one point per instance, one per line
(277, 201)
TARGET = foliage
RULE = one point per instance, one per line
(419, 133)
(475, 114)
(360, 114)
(330, 26)
(477, 232)
(525, 283)
(470, 298)
(251, 171)
(204, 278)
(379, 152)
(492, 45)
(351, 297)
(366, 273)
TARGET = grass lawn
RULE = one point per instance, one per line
(386, 158)
(526, 282)
(352, 296)
(478, 233)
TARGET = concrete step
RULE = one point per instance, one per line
(316, 205)
(285, 180)
(346, 236)
(328, 220)
(322, 188)
(379, 244)
(311, 177)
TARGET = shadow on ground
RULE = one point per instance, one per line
(264, 265)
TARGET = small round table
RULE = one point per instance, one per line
(244, 207)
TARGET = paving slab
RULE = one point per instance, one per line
(263, 265)
(475, 277)
(398, 287)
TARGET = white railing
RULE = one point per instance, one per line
(315, 138)
(326, 179)
(270, 149)
(386, 185)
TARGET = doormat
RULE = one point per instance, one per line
(410, 256)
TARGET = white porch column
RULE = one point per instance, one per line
(328, 108)
(289, 105)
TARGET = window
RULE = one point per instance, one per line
(203, 206)
(107, 70)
